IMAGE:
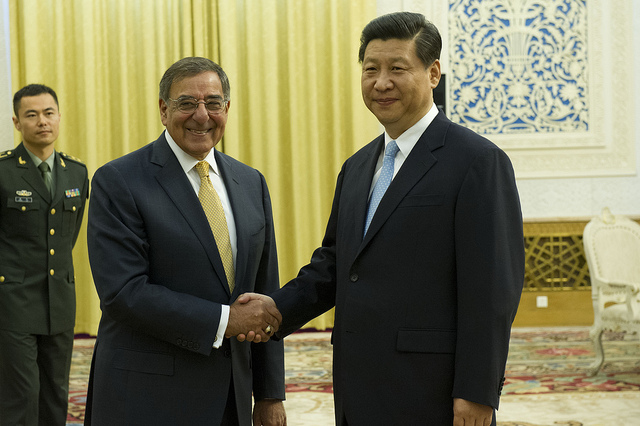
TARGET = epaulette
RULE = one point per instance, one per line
(71, 157)
(7, 154)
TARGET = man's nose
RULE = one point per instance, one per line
(201, 114)
(384, 81)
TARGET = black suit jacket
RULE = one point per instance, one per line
(425, 301)
(161, 285)
(37, 235)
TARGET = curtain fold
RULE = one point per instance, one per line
(296, 110)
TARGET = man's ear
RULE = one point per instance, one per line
(434, 73)
(17, 125)
(163, 111)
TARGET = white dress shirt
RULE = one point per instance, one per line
(406, 142)
(188, 164)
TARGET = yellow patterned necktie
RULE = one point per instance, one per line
(217, 220)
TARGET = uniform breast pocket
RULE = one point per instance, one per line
(22, 217)
(422, 200)
(11, 275)
(70, 210)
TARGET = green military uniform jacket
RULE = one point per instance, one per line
(37, 235)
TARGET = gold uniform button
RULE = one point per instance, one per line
(1, 279)
(52, 252)
(23, 208)
(52, 231)
(74, 208)
(51, 272)
(53, 211)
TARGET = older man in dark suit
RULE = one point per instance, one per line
(42, 198)
(177, 230)
(423, 254)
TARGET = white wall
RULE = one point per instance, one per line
(6, 95)
(585, 197)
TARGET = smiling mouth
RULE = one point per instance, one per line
(385, 101)
(199, 132)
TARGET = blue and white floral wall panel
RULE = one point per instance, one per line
(549, 81)
(519, 66)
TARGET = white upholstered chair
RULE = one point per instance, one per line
(612, 249)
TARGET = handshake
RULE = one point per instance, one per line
(253, 317)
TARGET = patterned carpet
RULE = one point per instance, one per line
(546, 379)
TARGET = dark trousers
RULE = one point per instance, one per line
(230, 416)
(34, 378)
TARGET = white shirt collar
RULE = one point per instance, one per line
(188, 162)
(409, 138)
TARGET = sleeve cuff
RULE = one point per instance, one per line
(222, 327)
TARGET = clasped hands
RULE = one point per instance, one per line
(253, 317)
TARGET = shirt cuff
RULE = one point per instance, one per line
(224, 320)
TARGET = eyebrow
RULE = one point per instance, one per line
(392, 60)
(36, 111)
(210, 97)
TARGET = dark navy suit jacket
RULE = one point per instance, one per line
(425, 301)
(161, 285)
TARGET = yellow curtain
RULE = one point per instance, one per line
(296, 111)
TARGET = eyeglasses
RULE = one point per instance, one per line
(190, 105)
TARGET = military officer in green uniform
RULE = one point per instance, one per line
(42, 199)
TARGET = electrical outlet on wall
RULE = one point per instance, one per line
(542, 302)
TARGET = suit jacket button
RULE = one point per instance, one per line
(1, 279)
(354, 278)
(196, 346)
(179, 342)
(227, 353)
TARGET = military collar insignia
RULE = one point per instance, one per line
(21, 161)
(62, 162)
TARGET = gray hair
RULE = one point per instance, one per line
(189, 67)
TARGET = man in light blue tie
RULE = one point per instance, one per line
(426, 275)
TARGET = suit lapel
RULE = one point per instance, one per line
(239, 203)
(31, 174)
(62, 178)
(413, 170)
(173, 180)
(358, 191)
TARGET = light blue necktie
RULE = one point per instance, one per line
(386, 174)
